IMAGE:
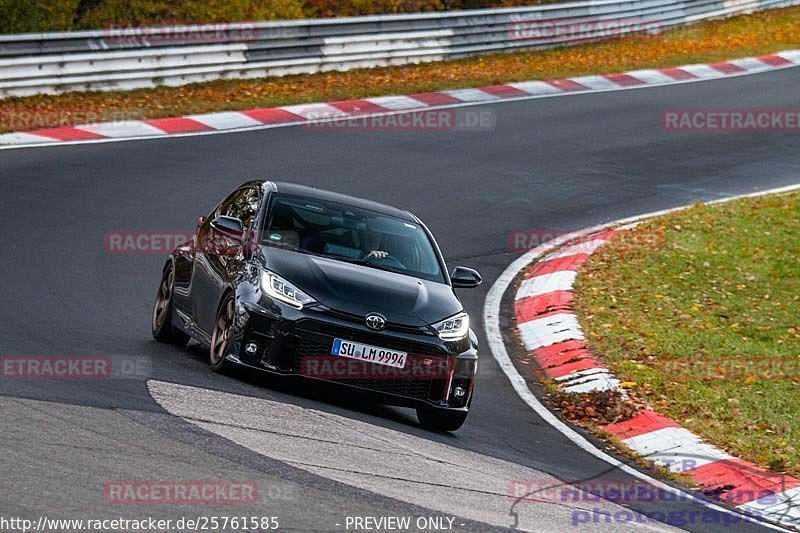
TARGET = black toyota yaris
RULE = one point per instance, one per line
(294, 280)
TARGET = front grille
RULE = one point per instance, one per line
(312, 358)
(365, 337)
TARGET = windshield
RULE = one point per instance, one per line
(350, 234)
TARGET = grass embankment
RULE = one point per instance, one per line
(21, 16)
(701, 310)
(713, 41)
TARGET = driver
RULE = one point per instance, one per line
(370, 249)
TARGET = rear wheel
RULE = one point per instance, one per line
(163, 330)
(221, 335)
(441, 419)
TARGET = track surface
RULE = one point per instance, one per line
(552, 164)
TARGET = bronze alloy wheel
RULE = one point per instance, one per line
(161, 307)
(221, 336)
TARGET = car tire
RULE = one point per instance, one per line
(441, 419)
(221, 335)
(161, 323)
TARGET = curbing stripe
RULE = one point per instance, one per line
(568, 262)
(740, 482)
(251, 119)
(273, 116)
(552, 335)
(644, 422)
(679, 74)
(568, 85)
(727, 67)
(625, 80)
(504, 91)
(433, 99)
(176, 125)
(526, 309)
(68, 134)
(359, 107)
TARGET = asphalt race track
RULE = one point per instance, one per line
(318, 455)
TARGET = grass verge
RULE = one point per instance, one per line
(742, 36)
(701, 310)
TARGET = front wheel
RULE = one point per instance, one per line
(221, 335)
(163, 330)
(441, 419)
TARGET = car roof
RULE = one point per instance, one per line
(283, 187)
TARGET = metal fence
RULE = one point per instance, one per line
(118, 58)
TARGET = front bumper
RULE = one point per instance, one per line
(287, 341)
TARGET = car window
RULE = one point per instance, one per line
(351, 234)
(242, 204)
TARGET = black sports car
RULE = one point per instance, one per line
(295, 280)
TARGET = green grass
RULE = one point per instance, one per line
(701, 309)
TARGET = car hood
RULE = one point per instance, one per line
(358, 289)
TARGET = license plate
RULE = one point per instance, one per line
(365, 352)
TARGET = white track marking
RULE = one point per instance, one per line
(549, 330)
(226, 120)
(555, 281)
(596, 83)
(316, 111)
(397, 103)
(536, 88)
(651, 76)
(122, 129)
(703, 71)
(24, 138)
(472, 95)
(751, 64)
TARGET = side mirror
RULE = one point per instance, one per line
(465, 278)
(200, 220)
(229, 226)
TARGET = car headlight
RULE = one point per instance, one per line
(280, 289)
(453, 328)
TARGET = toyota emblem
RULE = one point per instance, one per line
(375, 321)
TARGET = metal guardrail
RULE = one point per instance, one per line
(128, 58)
